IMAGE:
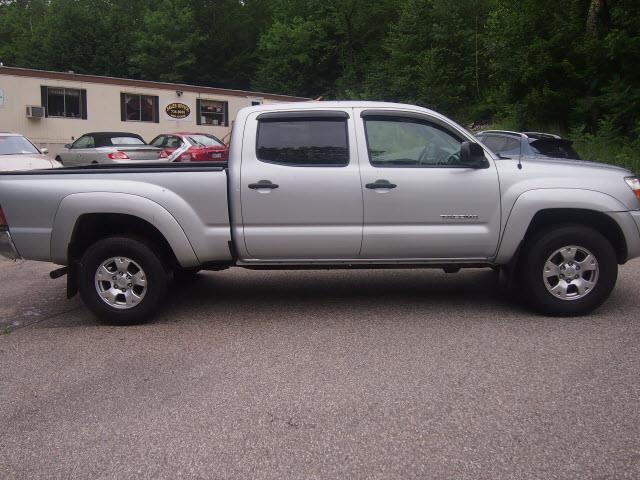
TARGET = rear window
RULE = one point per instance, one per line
(205, 141)
(555, 149)
(318, 141)
(167, 141)
(126, 141)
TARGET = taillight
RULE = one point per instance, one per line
(185, 157)
(118, 156)
(3, 221)
(164, 154)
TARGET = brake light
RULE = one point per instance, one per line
(118, 156)
(165, 154)
(185, 157)
(3, 221)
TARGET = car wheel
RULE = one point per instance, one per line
(122, 280)
(568, 270)
(58, 159)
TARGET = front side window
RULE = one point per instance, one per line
(212, 112)
(15, 145)
(86, 141)
(304, 142)
(139, 108)
(64, 102)
(410, 142)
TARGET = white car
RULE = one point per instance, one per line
(18, 153)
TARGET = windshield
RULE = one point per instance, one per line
(205, 140)
(11, 145)
(555, 149)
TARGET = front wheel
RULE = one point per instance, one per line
(122, 280)
(568, 270)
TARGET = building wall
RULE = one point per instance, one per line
(103, 110)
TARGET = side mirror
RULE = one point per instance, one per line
(67, 146)
(44, 150)
(472, 155)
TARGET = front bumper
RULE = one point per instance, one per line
(7, 248)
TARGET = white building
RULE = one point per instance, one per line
(53, 108)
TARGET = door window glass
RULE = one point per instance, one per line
(84, 142)
(409, 142)
(319, 141)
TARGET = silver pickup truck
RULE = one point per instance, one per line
(329, 185)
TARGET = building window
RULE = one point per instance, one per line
(64, 102)
(212, 112)
(138, 108)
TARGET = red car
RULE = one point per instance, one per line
(191, 147)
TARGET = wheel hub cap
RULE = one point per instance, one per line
(120, 282)
(571, 273)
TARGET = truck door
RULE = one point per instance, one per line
(300, 186)
(419, 201)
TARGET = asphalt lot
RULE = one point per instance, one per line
(330, 375)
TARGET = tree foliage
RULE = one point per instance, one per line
(568, 63)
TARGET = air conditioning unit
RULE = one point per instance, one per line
(35, 111)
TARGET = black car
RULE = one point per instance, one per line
(527, 144)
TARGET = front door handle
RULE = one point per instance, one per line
(380, 184)
(263, 184)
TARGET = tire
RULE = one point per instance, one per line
(58, 159)
(131, 284)
(559, 276)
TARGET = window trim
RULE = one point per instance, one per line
(225, 112)
(44, 100)
(415, 118)
(123, 107)
(275, 117)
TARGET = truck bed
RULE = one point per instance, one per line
(188, 201)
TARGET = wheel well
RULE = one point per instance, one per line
(599, 221)
(95, 226)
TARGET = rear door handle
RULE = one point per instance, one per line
(263, 184)
(380, 184)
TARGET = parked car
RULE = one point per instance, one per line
(329, 185)
(191, 147)
(108, 147)
(18, 153)
(527, 144)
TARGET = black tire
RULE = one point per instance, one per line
(543, 244)
(58, 159)
(142, 254)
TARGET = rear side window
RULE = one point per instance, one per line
(501, 144)
(303, 142)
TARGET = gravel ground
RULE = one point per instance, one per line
(324, 374)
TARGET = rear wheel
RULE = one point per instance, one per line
(568, 270)
(122, 280)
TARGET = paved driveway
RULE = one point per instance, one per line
(363, 374)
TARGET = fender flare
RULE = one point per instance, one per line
(531, 202)
(73, 206)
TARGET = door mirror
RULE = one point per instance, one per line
(472, 155)
(67, 146)
(44, 150)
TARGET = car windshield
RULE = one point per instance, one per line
(126, 141)
(205, 140)
(555, 149)
(11, 145)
